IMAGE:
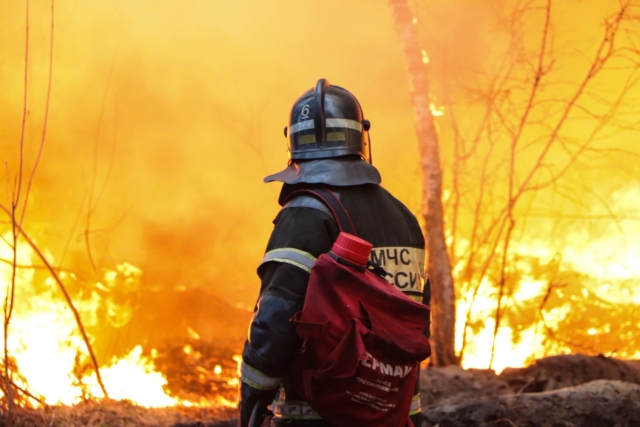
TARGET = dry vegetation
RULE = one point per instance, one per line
(569, 390)
(118, 414)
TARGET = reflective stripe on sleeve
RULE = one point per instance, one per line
(415, 407)
(291, 256)
(296, 410)
(257, 379)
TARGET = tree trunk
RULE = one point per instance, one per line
(438, 266)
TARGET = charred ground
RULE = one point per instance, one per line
(569, 390)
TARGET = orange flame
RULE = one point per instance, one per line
(46, 346)
(603, 264)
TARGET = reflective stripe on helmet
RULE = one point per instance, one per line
(291, 256)
(330, 123)
(415, 407)
(297, 410)
(344, 123)
(300, 126)
(257, 379)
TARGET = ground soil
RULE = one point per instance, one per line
(117, 414)
(598, 403)
(559, 391)
(570, 390)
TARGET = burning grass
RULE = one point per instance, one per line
(201, 380)
(192, 381)
(202, 372)
(567, 389)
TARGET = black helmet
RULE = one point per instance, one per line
(327, 122)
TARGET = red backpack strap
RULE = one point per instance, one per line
(331, 201)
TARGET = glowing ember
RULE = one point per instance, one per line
(436, 111)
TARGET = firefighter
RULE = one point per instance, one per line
(329, 147)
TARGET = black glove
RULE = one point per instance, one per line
(254, 402)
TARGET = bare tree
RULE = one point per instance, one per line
(518, 146)
(514, 149)
(438, 266)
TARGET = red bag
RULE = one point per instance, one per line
(363, 340)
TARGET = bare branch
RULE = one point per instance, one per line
(76, 315)
(46, 115)
(25, 111)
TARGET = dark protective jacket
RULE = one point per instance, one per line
(304, 229)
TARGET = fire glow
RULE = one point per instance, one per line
(44, 342)
(42, 324)
(611, 255)
(156, 107)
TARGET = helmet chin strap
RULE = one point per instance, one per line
(366, 125)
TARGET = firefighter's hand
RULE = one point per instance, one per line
(266, 422)
(253, 409)
(260, 416)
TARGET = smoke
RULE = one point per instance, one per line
(166, 115)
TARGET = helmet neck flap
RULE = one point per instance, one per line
(342, 171)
